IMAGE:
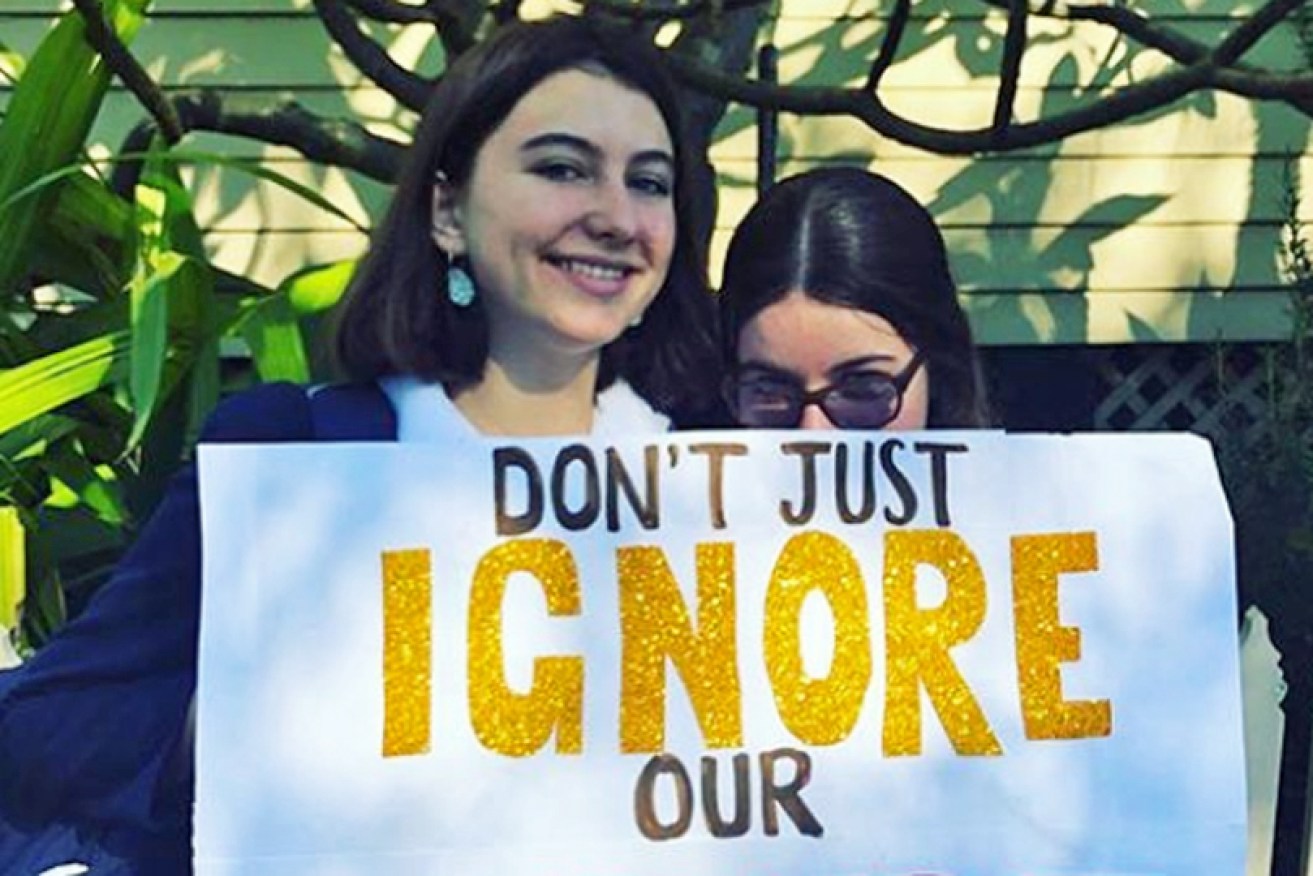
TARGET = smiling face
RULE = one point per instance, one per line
(816, 344)
(567, 220)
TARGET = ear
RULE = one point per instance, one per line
(447, 229)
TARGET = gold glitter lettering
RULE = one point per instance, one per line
(1043, 643)
(818, 711)
(506, 721)
(654, 627)
(407, 651)
(918, 640)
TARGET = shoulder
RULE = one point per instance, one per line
(620, 409)
(274, 412)
(265, 413)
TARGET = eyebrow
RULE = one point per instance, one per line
(749, 365)
(846, 365)
(860, 362)
(581, 144)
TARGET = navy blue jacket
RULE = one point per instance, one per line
(95, 750)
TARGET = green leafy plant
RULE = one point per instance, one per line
(111, 320)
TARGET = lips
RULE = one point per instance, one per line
(599, 278)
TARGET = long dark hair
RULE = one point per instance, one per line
(848, 237)
(395, 317)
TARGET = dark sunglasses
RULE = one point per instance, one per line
(864, 399)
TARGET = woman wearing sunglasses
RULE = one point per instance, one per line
(839, 312)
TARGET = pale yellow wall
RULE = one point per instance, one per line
(1043, 242)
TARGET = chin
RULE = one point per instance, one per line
(585, 342)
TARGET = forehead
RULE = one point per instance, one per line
(593, 105)
(811, 335)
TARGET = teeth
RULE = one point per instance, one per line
(592, 271)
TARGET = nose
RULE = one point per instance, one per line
(813, 417)
(613, 218)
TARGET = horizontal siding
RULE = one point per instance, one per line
(1229, 127)
(923, 9)
(246, 49)
(372, 108)
(250, 55)
(1057, 191)
(813, 9)
(962, 52)
(1123, 234)
(1041, 196)
(164, 7)
(1232, 128)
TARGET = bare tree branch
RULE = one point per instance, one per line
(1292, 88)
(506, 11)
(1133, 24)
(394, 11)
(458, 22)
(1252, 30)
(724, 36)
(409, 89)
(1203, 68)
(676, 12)
(1242, 79)
(1135, 100)
(1014, 48)
(1125, 104)
(284, 122)
(346, 144)
(893, 35)
(117, 57)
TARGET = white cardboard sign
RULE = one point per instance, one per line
(711, 653)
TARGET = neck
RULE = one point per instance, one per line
(532, 398)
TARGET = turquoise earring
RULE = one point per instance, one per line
(460, 286)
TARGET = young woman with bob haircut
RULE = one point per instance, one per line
(537, 273)
(398, 317)
(839, 311)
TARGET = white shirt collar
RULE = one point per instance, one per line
(425, 413)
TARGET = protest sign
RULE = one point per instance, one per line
(740, 652)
